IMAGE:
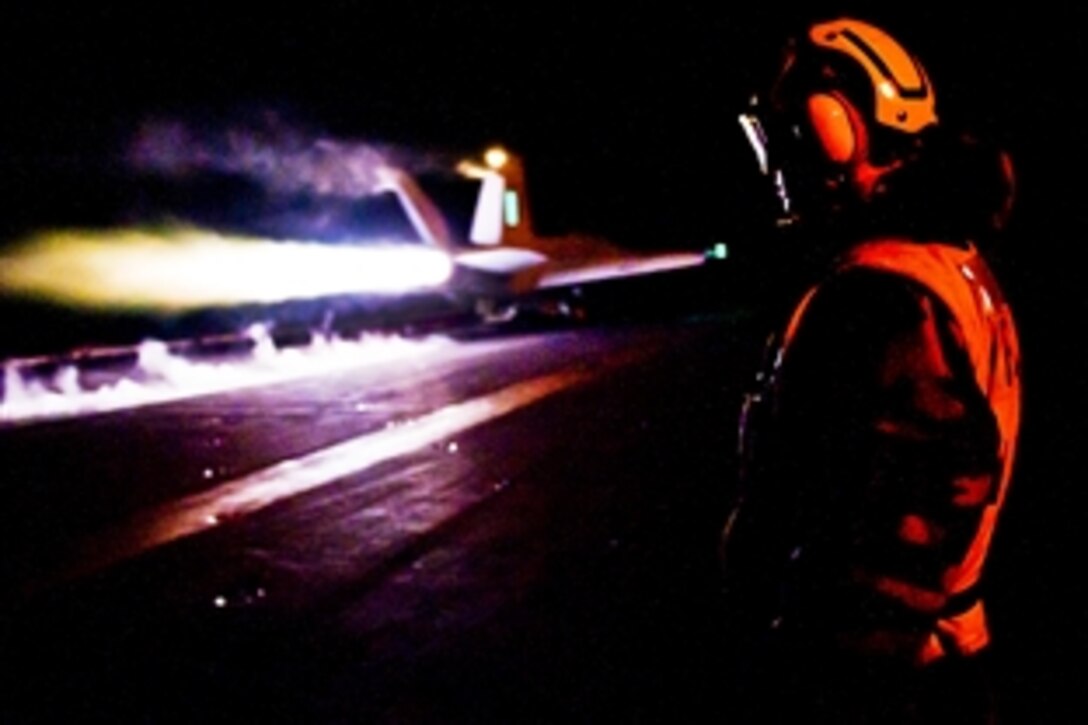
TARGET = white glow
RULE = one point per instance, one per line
(887, 90)
(496, 157)
(185, 268)
(165, 376)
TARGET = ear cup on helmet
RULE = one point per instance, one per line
(832, 121)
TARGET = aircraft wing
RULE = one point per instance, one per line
(590, 271)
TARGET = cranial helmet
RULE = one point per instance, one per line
(849, 107)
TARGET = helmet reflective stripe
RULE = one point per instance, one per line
(904, 96)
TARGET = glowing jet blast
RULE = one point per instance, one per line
(179, 268)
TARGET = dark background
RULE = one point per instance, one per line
(626, 118)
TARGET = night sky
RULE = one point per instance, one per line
(626, 116)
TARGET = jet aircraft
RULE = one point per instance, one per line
(499, 261)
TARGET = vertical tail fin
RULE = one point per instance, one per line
(501, 214)
(426, 219)
(502, 209)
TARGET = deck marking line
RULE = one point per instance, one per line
(260, 489)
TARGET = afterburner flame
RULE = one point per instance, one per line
(178, 268)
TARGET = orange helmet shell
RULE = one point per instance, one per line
(904, 95)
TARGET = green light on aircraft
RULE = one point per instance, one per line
(718, 251)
